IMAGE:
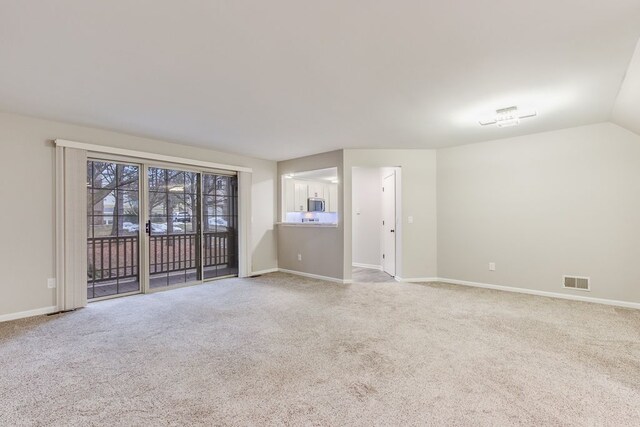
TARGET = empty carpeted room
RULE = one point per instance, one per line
(247, 213)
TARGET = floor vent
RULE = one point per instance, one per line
(575, 282)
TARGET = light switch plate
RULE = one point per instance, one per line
(51, 283)
(492, 266)
(410, 220)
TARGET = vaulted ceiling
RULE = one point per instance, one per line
(626, 111)
(284, 78)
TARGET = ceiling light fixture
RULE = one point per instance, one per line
(506, 117)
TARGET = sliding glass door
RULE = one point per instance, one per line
(182, 224)
(220, 208)
(113, 246)
(173, 227)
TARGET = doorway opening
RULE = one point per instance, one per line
(375, 223)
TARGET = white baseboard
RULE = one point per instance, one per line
(315, 276)
(267, 271)
(371, 266)
(582, 298)
(28, 313)
(416, 279)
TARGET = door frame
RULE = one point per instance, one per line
(147, 236)
(99, 157)
(144, 164)
(385, 176)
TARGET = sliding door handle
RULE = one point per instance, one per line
(147, 227)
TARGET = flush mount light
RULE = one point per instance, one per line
(506, 117)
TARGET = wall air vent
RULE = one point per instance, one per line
(576, 282)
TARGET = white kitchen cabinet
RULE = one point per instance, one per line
(316, 189)
(301, 194)
(297, 192)
(289, 195)
(332, 198)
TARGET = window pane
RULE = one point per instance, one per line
(103, 201)
(157, 179)
(191, 183)
(222, 223)
(176, 181)
(104, 175)
(222, 185)
(157, 204)
(103, 226)
(129, 202)
(209, 224)
(158, 225)
(128, 177)
(129, 225)
(177, 209)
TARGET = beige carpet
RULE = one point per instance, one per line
(281, 349)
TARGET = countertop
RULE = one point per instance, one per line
(308, 224)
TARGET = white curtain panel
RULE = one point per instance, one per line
(71, 228)
(245, 223)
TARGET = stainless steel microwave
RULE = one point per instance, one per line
(315, 204)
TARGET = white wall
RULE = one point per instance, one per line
(27, 195)
(540, 206)
(366, 216)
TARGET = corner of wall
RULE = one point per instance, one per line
(626, 108)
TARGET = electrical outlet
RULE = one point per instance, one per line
(51, 283)
(492, 266)
(299, 257)
(410, 220)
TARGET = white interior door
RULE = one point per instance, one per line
(389, 224)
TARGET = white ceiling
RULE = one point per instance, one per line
(280, 79)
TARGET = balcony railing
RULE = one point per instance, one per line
(117, 257)
(112, 258)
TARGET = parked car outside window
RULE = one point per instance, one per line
(182, 217)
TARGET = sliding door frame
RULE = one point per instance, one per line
(98, 157)
(147, 236)
(143, 218)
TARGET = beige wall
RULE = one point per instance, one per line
(540, 206)
(366, 216)
(27, 195)
(321, 248)
(418, 241)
